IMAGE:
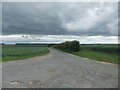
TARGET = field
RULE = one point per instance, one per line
(106, 53)
(101, 52)
(15, 52)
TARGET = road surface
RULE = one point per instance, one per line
(59, 70)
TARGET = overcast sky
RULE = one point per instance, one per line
(88, 22)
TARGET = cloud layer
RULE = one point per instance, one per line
(83, 18)
(59, 39)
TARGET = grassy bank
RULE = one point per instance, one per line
(13, 52)
(105, 53)
(100, 56)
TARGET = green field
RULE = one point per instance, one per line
(13, 52)
(111, 49)
(101, 52)
(106, 53)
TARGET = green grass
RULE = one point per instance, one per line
(100, 56)
(102, 45)
(111, 49)
(12, 52)
(105, 53)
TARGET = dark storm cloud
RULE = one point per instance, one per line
(119, 18)
(0, 18)
(60, 18)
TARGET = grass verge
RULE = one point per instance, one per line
(10, 53)
(100, 56)
(105, 53)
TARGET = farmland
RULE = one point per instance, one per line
(101, 52)
(110, 48)
(16, 52)
(106, 53)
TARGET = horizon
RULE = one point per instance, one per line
(53, 43)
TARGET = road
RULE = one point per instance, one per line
(59, 70)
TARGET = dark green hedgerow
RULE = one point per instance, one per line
(68, 46)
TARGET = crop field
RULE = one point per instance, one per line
(101, 52)
(111, 49)
(14, 52)
(106, 53)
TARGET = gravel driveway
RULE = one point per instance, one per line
(59, 70)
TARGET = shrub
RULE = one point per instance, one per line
(68, 46)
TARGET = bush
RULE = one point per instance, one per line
(68, 46)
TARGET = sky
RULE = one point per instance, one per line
(55, 22)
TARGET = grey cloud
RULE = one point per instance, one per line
(0, 18)
(59, 18)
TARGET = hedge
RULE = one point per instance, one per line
(69, 46)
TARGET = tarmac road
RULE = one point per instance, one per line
(59, 70)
